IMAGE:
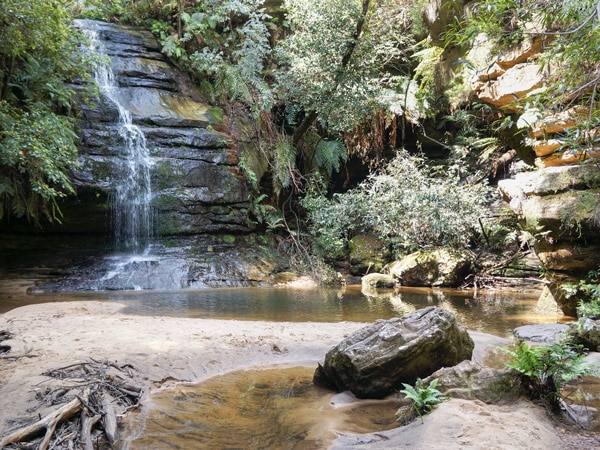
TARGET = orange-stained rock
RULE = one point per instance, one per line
(560, 122)
(546, 147)
(567, 256)
(567, 157)
(524, 52)
(515, 84)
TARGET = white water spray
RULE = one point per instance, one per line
(132, 213)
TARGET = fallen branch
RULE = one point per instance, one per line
(87, 423)
(48, 423)
(110, 419)
(102, 392)
(27, 354)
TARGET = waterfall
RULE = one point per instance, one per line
(132, 213)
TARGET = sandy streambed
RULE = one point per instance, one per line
(167, 350)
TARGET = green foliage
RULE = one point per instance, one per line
(37, 151)
(427, 57)
(126, 11)
(39, 54)
(545, 369)
(337, 59)
(329, 154)
(588, 293)
(404, 205)
(423, 398)
(227, 41)
(283, 165)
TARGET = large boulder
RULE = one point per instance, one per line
(432, 267)
(375, 360)
(368, 253)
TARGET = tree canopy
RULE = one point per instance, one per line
(38, 56)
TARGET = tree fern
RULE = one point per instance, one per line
(427, 59)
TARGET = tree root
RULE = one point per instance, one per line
(99, 393)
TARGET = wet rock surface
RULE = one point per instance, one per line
(547, 333)
(432, 267)
(182, 263)
(196, 184)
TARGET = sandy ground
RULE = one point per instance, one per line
(167, 351)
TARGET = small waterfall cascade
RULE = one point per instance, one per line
(132, 212)
(191, 228)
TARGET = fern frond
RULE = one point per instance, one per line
(329, 154)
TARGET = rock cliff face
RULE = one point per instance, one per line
(196, 184)
(558, 199)
(201, 236)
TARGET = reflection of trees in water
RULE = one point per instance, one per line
(495, 312)
(394, 298)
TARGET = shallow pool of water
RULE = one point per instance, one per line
(266, 409)
(494, 312)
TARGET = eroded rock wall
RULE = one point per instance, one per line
(557, 195)
(197, 186)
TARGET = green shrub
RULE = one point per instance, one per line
(39, 57)
(404, 205)
(588, 293)
(545, 369)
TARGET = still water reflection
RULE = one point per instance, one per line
(492, 312)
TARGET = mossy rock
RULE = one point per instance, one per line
(228, 239)
(368, 253)
(438, 266)
(378, 280)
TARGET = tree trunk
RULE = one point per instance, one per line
(48, 423)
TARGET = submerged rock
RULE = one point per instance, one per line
(553, 332)
(376, 359)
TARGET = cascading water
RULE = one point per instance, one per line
(170, 237)
(132, 213)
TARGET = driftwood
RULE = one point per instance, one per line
(111, 428)
(48, 423)
(95, 393)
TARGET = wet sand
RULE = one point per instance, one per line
(167, 351)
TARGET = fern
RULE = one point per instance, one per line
(425, 70)
(545, 369)
(283, 164)
(423, 398)
(228, 41)
(329, 155)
